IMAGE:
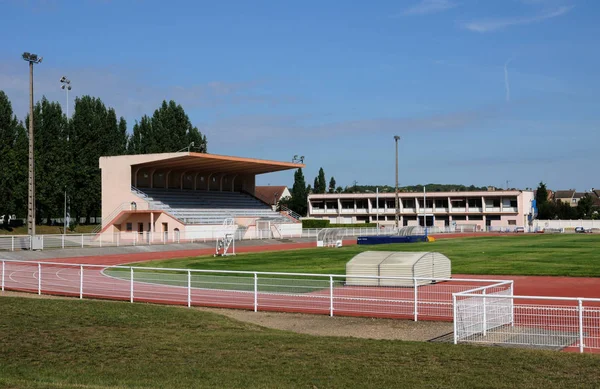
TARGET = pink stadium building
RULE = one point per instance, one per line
(184, 196)
(480, 210)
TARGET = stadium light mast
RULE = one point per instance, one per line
(32, 59)
(66, 86)
(397, 138)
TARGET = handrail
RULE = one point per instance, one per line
(289, 212)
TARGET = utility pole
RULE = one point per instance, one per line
(397, 138)
(32, 59)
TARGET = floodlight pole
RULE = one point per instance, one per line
(397, 138)
(32, 59)
(31, 191)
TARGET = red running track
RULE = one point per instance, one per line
(350, 301)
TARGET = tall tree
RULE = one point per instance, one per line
(173, 131)
(332, 185)
(585, 207)
(94, 133)
(51, 158)
(541, 194)
(13, 162)
(142, 140)
(321, 181)
(299, 200)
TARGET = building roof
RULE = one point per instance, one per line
(267, 194)
(578, 195)
(564, 194)
(213, 163)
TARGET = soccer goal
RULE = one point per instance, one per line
(226, 241)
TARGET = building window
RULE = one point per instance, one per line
(512, 222)
(408, 203)
(129, 227)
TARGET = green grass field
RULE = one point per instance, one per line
(96, 344)
(551, 255)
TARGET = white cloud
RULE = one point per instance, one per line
(497, 24)
(425, 7)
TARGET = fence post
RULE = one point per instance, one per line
(81, 240)
(484, 315)
(189, 288)
(81, 281)
(255, 292)
(512, 304)
(131, 285)
(3, 269)
(39, 278)
(416, 297)
(580, 306)
(330, 295)
(12, 243)
(454, 318)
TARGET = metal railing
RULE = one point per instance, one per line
(496, 317)
(59, 241)
(329, 294)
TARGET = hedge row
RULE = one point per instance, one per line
(316, 223)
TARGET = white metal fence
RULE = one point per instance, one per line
(269, 291)
(53, 241)
(485, 316)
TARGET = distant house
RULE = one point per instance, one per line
(272, 194)
(566, 196)
(595, 196)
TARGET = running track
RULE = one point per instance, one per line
(348, 301)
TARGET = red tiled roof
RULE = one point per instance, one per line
(269, 194)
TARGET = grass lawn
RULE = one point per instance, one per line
(552, 255)
(96, 344)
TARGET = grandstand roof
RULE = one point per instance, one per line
(213, 163)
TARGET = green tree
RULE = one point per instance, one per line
(541, 194)
(95, 132)
(51, 157)
(332, 185)
(585, 207)
(142, 140)
(298, 202)
(321, 186)
(13, 162)
(173, 131)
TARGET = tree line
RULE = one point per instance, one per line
(549, 208)
(67, 151)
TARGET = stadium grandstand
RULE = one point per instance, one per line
(187, 195)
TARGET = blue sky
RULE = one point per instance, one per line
(480, 91)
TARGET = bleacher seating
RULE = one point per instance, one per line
(208, 207)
